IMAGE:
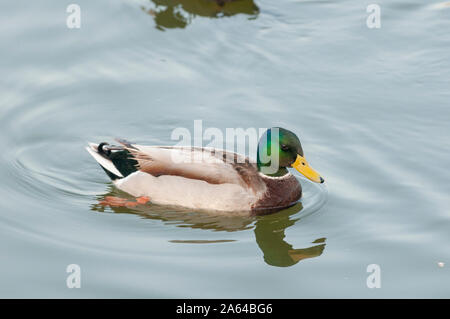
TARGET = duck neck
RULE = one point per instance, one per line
(280, 172)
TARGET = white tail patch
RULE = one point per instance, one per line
(105, 163)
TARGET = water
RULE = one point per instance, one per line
(369, 105)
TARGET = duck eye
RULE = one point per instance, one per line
(284, 147)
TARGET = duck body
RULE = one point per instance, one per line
(196, 178)
(210, 179)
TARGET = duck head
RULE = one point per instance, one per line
(279, 149)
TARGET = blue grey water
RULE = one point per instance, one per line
(371, 107)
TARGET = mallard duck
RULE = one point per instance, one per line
(207, 178)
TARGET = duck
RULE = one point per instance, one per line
(210, 179)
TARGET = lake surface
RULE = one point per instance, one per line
(371, 107)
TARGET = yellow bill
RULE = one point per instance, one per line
(303, 167)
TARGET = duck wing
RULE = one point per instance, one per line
(210, 165)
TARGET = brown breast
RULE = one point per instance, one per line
(281, 193)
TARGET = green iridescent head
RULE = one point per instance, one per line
(279, 149)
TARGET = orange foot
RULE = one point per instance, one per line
(142, 200)
(122, 202)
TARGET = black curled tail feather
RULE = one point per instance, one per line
(120, 158)
(102, 151)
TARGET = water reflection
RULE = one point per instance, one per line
(169, 14)
(269, 230)
(270, 237)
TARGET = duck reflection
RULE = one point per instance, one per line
(269, 230)
(270, 237)
(169, 14)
